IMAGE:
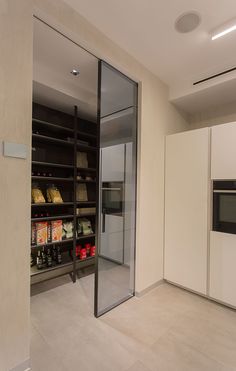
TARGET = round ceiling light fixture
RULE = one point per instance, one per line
(187, 22)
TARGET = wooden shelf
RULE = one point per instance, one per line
(86, 202)
(79, 263)
(49, 204)
(85, 148)
(56, 217)
(85, 181)
(87, 169)
(85, 215)
(85, 135)
(79, 238)
(52, 126)
(44, 138)
(35, 271)
(52, 178)
(52, 243)
(51, 164)
(58, 144)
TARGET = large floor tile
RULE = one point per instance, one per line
(207, 335)
(170, 354)
(168, 329)
(43, 358)
(138, 366)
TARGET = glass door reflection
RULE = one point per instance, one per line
(114, 279)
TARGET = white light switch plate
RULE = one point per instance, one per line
(15, 150)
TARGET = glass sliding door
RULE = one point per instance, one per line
(115, 260)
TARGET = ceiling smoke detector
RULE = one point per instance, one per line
(74, 72)
(187, 22)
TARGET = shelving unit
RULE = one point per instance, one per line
(55, 142)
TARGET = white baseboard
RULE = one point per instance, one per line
(139, 294)
(25, 366)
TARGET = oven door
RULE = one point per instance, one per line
(112, 222)
(224, 211)
(112, 197)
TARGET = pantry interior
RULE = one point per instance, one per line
(84, 118)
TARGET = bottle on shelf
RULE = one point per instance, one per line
(32, 260)
(49, 258)
(39, 261)
(59, 257)
(54, 254)
(43, 255)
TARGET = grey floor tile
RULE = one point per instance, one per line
(138, 366)
(213, 338)
(170, 354)
(168, 329)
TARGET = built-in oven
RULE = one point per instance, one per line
(112, 197)
(112, 222)
(224, 206)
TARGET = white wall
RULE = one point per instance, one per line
(157, 118)
(15, 193)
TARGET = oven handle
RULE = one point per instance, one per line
(224, 191)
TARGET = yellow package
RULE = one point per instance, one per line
(54, 195)
(37, 195)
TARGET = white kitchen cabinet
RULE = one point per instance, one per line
(186, 209)
(223, 151)
(222, 267)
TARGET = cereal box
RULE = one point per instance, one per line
(41, 233)
(56, 228)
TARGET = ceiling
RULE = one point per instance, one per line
(53, 85)
(146, 30)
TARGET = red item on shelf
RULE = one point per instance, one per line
(92, 250)
(77, 250)
(88, 247)
(82, 254)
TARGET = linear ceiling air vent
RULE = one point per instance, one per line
(214, 76)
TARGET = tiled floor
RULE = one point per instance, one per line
(168, 329)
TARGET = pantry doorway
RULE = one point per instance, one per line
(84, 149)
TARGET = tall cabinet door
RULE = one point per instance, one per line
(223, 151)
(114, 277)
(186, 209)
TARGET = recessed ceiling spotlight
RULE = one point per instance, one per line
(224, 30)
(187, 22)
(74, 72)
